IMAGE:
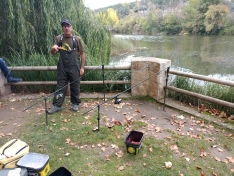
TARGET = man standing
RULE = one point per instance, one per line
(70, 67)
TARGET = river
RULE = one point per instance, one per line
(206, 55)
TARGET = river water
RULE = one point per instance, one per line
(206, 55)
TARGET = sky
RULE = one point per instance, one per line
(95, 4)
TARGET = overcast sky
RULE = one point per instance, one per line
(95, 4)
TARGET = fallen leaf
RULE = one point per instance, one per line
(203, 174)
(187, 159)
(230, 159)
(217, 159)
(67, 154)
(121, 168)
(128, 164)
(180, 117)
(107, 158)
(168, 165)
(214, 174)
(174, 147)
(151, 149)
(137, 110)
(67, 141)
(119, 154)
(95, 128)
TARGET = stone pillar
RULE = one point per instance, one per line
(148, 76)
(4, 89)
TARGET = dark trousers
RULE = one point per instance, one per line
(64, 75)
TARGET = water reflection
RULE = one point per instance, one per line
(206, 55)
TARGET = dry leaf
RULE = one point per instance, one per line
(121, 168)
(214, 174)
(95, 128)
(128, 164)
(107, 158)
(217, 159)
(137, 110)
(67, 141)
(220, 150)
(230, 159)
(168, 165)
(203, 174)
(151, 149)
(119, 154)
(174, 147)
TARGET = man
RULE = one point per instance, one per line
(7, 72)
(70, 67)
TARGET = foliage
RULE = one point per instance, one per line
(32, 25)
(120, 46)
(209, 89)
(215, 18)
(190, 13)
(109, 17)
(172, 24)
(205, 17)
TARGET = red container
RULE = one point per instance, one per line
(133, 142)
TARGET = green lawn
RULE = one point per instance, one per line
(71, 141)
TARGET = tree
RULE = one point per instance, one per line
(172, 24)
(30, 26)
(112, 16)
(189, 13)
(199, 26)
(215, 18)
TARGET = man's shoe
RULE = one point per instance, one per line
(75, 107)
(13, 80)
(54, 109)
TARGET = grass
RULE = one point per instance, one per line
(217, 91)
(71, 142)
(120, 46)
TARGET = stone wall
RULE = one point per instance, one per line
(4, 89)
(148, 76)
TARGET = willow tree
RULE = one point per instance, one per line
(29, 27)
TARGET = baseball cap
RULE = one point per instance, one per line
(65, 21)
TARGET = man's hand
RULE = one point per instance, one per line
(81, 71)
(55, 49)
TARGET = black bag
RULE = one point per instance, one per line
(62, 171)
